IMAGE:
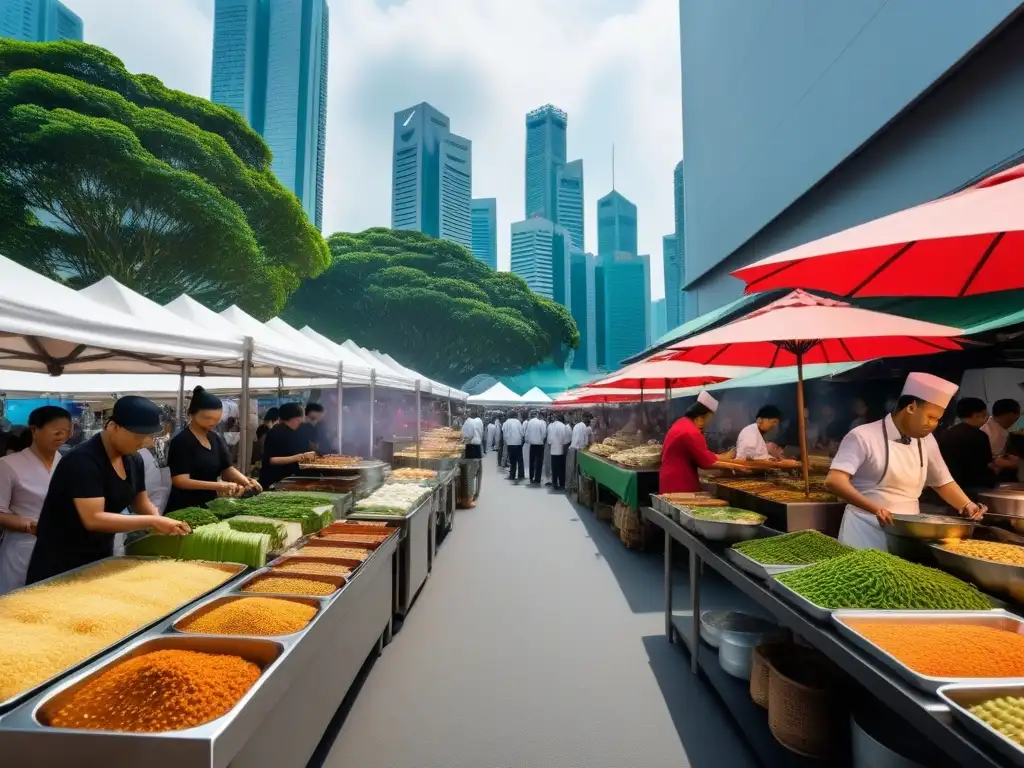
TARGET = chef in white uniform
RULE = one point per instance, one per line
(882, 467)
(750, 443)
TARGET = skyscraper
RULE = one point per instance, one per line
(680, 234)
(39, 21)
(616, 225)
(569, 187)
(583, 306)
(485, 230)
(270, 65)
(540, 255)
(627, 306)
(659, 324)
(545, 155)
(431, 176)
(674, 301)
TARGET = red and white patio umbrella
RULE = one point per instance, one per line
(968, 243)
(802, 328)
(668, 374)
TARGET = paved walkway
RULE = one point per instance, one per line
(537, 642)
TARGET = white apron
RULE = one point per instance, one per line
(898, 490)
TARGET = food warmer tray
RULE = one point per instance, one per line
(1003, 620)
(960, 698)
(288, 661)
(724, 532)
(998, 578)
(756, 569)
(234, 569)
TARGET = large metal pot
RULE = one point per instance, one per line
(1004, 501)
(738, 635)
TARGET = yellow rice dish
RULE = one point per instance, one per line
(47, 628)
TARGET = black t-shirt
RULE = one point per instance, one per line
(968, 453)
(282, 440)
(62, 541)
(187, 456)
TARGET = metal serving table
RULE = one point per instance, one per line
(824, 516)
(927, 714)
(279, 722)
(415, 551)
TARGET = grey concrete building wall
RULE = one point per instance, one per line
(778, 95)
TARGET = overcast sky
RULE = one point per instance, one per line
(613, 65)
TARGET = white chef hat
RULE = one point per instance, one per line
(705, 399)
(930, 388)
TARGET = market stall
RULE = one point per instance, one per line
(811, 586)
(291, 667)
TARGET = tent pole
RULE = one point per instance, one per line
(418, 422)
(373, 387)
(280, 387)
(802, 423)
(244, 449)
(341, 396)
(668, 406)
(179, 403)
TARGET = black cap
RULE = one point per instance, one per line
(138, 415)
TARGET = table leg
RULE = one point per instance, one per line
(695, 571)
(669, 629)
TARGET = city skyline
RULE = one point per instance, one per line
(39, 21)
(383, 59)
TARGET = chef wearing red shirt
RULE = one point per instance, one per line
(685, 449)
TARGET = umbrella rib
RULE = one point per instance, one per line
(771, 274)
(933, 345)
(981, 263)
(846, 349)
(881, 268)
(775, 356)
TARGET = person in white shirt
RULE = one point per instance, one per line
(492, 435)
(559, 437)
(581, 436)
(512, 433)
(473, 436)
(882, 467)
(536, 434)
(1005, 413)
(750, 442)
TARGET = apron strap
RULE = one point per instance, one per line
(885, 438)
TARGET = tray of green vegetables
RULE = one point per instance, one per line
(772, 555)
(868, 579)
(196, 517)
(219, 543)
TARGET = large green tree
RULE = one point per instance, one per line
(103, 172)
(432, 306)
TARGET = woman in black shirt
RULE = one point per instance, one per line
(199, 459)
(285, 446)
(90, 489)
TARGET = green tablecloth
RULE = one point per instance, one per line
(629, 485)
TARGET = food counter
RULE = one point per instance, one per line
(631, 485)
(929, 714)
(789, 510)
(415, 550)
(300, 681)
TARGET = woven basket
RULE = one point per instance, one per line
(761, 669)
(604, 512)
(587, 492)
(808, 708)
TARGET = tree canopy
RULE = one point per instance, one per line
(103, 172)
(432, 306)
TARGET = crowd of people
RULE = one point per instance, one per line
(62, 509)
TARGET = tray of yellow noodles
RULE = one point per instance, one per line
(50, 629)
(641, 457)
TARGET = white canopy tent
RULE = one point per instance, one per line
(437, 387)
(49, 328)
(353, 370)
(536, 396)
(499, 394)
(386, 375)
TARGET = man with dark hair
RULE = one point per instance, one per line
(512, 433)
(536, 435)
(311, 431)
(685, 449)
(967, 451)
(750, 443)
(1005, 413)
(284, 447)
(882, 467)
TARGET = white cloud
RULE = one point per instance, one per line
(613, 65)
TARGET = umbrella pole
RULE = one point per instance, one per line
(802, 423)
(668, 406)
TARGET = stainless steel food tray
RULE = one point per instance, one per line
(756, 569)
(999, 578)
(816, 612)
(1003, 620)
(960, 698)
(338, 582)
(233, 569)
(727, 533)
(176, 627)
